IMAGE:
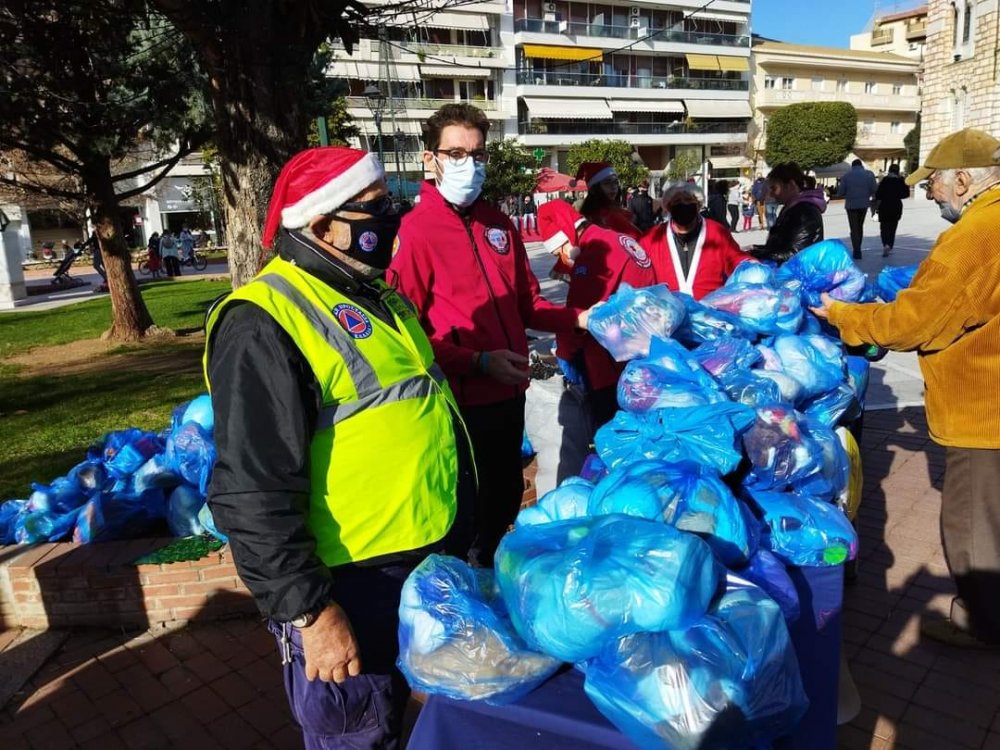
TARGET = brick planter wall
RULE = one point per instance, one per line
(65, 584)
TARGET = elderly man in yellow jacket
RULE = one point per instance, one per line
(950, 316)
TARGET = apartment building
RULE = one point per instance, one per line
(903, 33)
(665, 76)
(961, 73)
(883, 87)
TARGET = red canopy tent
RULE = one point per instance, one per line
(551, 181)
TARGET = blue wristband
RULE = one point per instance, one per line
(484, 359)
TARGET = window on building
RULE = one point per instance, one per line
(897, 89)
(968, 23)
(770, 82)
(894, 127)
(871, 87)
(956, 16)
(842, 85)
(787, 84)
(817, 84)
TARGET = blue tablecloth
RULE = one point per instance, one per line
(559, 716)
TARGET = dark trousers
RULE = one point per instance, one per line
(363, 712)
(496, 431)
(734, 216)
(970, 531)
(172, 265)
(887, 228)
(856, 219)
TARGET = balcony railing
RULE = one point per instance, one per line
(916, 30)
(609, 31)
(361, 102)
(882, 36)
(564, 78)
(446, 50)
(604, 127)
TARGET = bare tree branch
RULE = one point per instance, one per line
(170, 163)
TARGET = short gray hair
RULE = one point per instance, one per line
(672, 189)
(979, 175)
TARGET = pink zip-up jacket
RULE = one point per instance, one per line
(469, 278)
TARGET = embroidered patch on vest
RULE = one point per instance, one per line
(634, 249)
(498, 240)
(353, 320)
(368, 241)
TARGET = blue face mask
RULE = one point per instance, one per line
(461, 184)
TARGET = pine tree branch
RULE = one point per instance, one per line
(29, 187)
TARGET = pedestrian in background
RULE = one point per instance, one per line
(801, 221)
(889, 197)
(153, 261)
(168, 251)
(733, 204)
(718, 193)
(759, 192)
(529, 215)
(187, 243)
(857, 188)
(747, 208)
(641, 206)
(950, 316)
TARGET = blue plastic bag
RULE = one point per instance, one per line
(182, 511)
(816, 362)
(773, 370)
(527, 449)
(207, 521)
(574, 586)
(780, 451)
(805, 531)
(830, 407)
(9, 511)
(726, 354)
(704, 434)
(568, 500)
(687, 496)
(749, 389)
(668, 378)
(456, 638)
(123, 452)
(762, 308)
(60, 496)
(704, 324)
(769, 573)
(730, 680)
(626, 323)
(106, 517)
(834, 473)
(825, 267)
(753, 272)
(155, 473)
(199, 410)
(894, 279)
(191, 455)
(593, 469)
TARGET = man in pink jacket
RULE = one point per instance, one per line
(464, 267)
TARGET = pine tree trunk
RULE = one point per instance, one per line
(129, 316)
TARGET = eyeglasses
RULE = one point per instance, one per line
(458, 156)
(380, 206)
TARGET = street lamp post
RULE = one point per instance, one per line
(376, 103)
(396, 140)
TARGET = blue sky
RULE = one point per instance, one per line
(827, 23)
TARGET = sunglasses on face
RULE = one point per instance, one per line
(380, 206)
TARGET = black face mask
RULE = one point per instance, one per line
(372, 239)
(684, 213)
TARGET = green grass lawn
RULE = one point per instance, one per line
(48, 421)
(177, 305)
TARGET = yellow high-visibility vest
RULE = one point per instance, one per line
(384, 458)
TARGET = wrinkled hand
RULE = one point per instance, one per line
(507, 367)
(583, 317)
(331, 650)
(824, 311)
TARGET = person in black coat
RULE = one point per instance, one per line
(889, 206)
(717, 192)
(641, 207)
(800, 223)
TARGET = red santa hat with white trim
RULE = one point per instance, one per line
(558, 223)
(318, 181)
(595, 172)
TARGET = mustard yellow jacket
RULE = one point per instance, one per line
(950, 316)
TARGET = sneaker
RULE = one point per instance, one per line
(857, 256)
(886, 251)
(945, 631)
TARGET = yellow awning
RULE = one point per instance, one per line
(548, 52)
(734, 64)
(702, 62)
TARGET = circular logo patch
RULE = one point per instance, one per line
(368, 241)
(498, 240)
(353, 320)
(634, 249)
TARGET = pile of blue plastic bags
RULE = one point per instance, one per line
(662, 573)
(131, 484)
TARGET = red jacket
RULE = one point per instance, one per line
(618, 219)
(607, 258)
(715, 257)
(468, 276)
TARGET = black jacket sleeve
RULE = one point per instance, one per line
(266, 403)
(796, 228)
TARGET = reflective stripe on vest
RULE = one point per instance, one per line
(383, 459)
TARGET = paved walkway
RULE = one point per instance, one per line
(219, 685)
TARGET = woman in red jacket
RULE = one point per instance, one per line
(690, 253)
(601, 206)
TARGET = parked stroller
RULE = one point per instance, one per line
(61, 275)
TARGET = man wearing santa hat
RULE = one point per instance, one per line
(341, 454)
(464, 267)
(597, 260)
(691, 254)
